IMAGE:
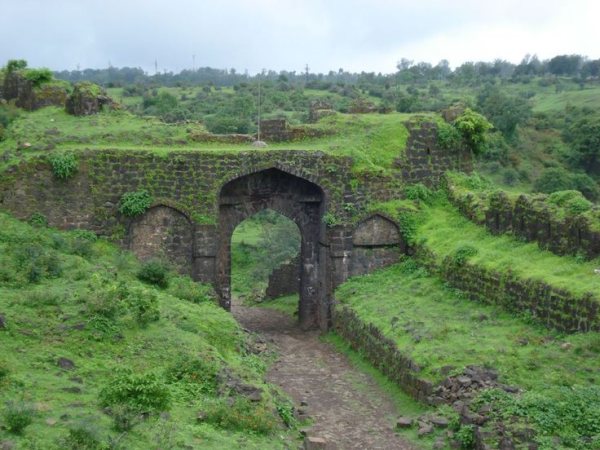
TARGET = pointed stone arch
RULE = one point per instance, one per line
(296, 198)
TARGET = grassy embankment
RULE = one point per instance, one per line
(373, 140)
(437, 326)
(93, 356)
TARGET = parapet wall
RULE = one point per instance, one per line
(551, 306)
(531, 218)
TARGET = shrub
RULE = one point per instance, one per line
(553, 179)
(199, 371)
(331, 220)
(572, 201)
(462, 253)
(36, 262)
(188, 289)
(4, 370)
(155, 272)
(510, 176)
(83, 435)
(448, 137)
(418, 192)
(38, 76)
(38, 220)
(465, 436)
(64, 165)
(106, 297)
(143, 303)
(473, 128)
(139, 392)
(135, 203)
(17, 416)
(242, 415)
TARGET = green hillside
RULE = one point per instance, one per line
(93, 357)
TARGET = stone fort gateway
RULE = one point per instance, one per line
(199, 197)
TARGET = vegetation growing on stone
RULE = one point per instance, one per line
(135, 203)
(64, 165)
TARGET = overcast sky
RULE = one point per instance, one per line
(357, 35)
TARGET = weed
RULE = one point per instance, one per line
(38, 220)
(140, 392)
(64, 165)
(136, 203)
(190, 290)
(17, 416)
(155, 272)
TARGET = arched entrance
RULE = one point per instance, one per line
(299, 200)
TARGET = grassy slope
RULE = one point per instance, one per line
(49, 319)
(437, 326)
(374, 140)
(444, 230)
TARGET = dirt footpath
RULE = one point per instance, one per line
(347, 406)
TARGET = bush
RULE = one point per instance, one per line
(572, 201)
(64, 165)
(4, 370)
(465, 436)
(510, 176)
(553, 179)
(17, 416)
(220, 124)
(418, 192)
(448, 137)
(36, 262)
(199, 371)
(38, 220)
(187, 289)
(39, 76)
(242, 415)
(155, 272)
(139, 392)
(473, 128)
(462, 253)
(143, 303)
(83, 436)
(135, 203)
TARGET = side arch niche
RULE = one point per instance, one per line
(377, 243)
(163, 232)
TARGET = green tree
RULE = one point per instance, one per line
(503, 110)
(473, 127)
(584, 136)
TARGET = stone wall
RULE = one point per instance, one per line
(529, 217)
(381, 351)
(551, 306)
(16, 87)
(284, 280)
(376, 243)
(278, 130)
(165, 233)
(425, 161)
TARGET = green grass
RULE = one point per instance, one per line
(288, 304)
(373, 140)
(444, 229)
(53, 317)
(551, 101)
(438, 327)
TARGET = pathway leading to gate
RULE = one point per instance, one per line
(347, 406)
